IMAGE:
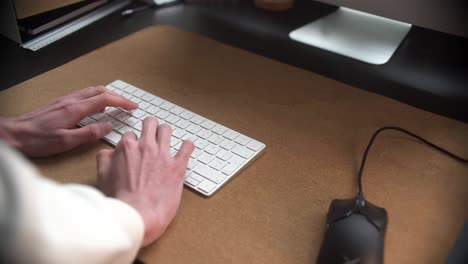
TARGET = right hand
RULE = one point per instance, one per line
(142, 173)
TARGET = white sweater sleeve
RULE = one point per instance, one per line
(67, 223)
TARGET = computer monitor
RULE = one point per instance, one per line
(371, 31)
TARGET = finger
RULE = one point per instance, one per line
(89, 92)
(81, 95)
(148, 133)
(83, 108)
(89, 133)
(129, 136)
(184, 152)
(163, 138)
(103, 161)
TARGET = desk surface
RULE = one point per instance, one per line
(275, 210)
(428, 70)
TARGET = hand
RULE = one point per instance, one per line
(52, 128)
(142, 173)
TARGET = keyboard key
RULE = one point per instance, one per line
(152, 109)
(137, 100)
(147, 97)
(243, 152)
(236, 160)
(129, 89)
(196, 153)
(209, 173)
(219, 129)
(113, 137)
(157, 101)
(197, 177)
(174, 141)
(112, 111)
(125, 129)
(131, 121)
(97, 116)
(162, 114)
(254, 145)
(116, 125)
(218, 164)
(176, 110)
(138, 125)
(186, 115)
(166, 105)
(143, 105)
(172, 119)
(230, 134)
(227, 144)
(205, 158)
(196, 119)
(127, 95)
(201, 144)
(178, 133)
(191, 181)
(122, 116)
(211, 149)
(204, 133)
(138, 113)
(190, 137)
(119, 84)
(206, 186)
(87, 120)
(208, 124)
(242, 140)
(192, 163)
(178, 145)
(230, 169)
(138, 93)
(182, 123)
(224, 154)
(193, 128)
(215, 139)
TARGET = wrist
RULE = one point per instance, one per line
(9, 132)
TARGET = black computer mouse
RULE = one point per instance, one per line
(355, 233)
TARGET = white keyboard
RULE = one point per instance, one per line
(220, 153)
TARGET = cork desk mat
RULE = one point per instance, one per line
(315, 130)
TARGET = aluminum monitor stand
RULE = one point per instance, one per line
(354, 34)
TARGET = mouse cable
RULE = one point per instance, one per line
(364, 158)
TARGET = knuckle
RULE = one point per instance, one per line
(147, 148)
(70, 108)
(101, 89)
(127, 140)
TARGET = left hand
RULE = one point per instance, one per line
(52, 128)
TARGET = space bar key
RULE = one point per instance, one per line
(209, 173)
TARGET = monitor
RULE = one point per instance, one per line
(371, 31)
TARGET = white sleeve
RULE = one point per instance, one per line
(68, 223)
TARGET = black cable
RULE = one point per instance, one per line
(364, 158)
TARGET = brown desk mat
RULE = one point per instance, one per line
(315, 130)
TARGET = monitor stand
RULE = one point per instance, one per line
(354, 34)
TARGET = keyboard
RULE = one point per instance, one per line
(220, 152)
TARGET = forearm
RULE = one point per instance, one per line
(67, 223)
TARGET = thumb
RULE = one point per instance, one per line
(86, 134)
